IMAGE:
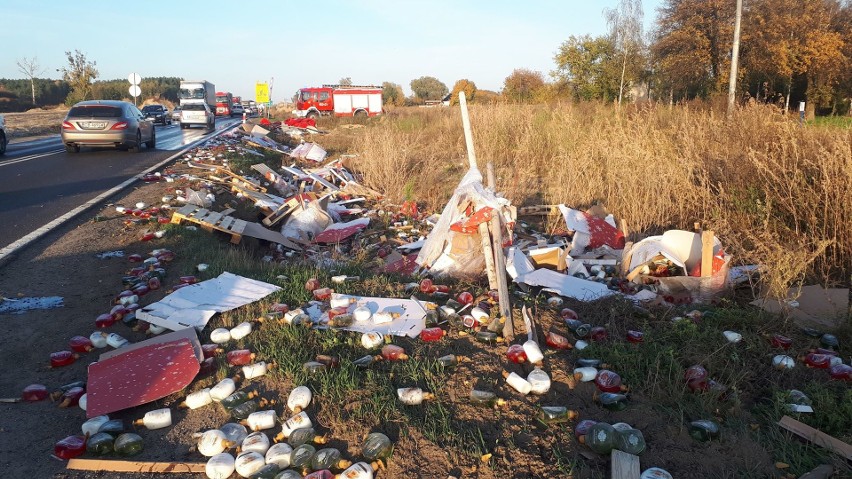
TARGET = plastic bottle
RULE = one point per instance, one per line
(220, 466)
(539, 381)
(322, 294)
(302, 455)
(62, 358)
(695, 372)
(71, 397)
(392, 352)
(819, 361)
(583, 427)
(234, 432)
(557, 341)
(313, 367)
(432, 334)
(279, 454)
(359, 470)
(635, 337)
(568, 313)
(267, 471)
(600, 438)
(212, 442)
(612, 401)
(155, 419)
(298, 421)
(222, 389)
(517, 382)
(304, 435)
(69, 447)
(299, 399)
(780, 341)
(312, 284)
(251, 371)
(556, 414)
(34, 392)
(841, 372)
(104, 321)
(220, 335)
(260, 420)
(580, 345)
(240, 357)
(256, 441)
(534, 354)
(128, 444)
(329, 458)
(362, 313)
(488, 337)
(92, 426)
(630, 441)
(241, 330)
(485, 399)
(247, 463)
(372, 340)
(289, 474)
(781, 361)
(321, 474)
(598, 334)
(703, 430)
(237, 398)
(516, 354)
(341, 320)
(413, 396)
(113, 426)
(242, 411)
(98, 339)
(655, 473)
(376, 447)
(609, 382)
(585, 374)
(365, 361)
(80, 344)
(732, 336)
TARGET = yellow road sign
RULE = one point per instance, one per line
(261, 92)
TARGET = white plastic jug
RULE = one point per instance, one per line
(220, 335)
(279, 454)
(240, 331)
(539, 380)
(213, 442)
(361, 313)
(296, 422)
(247, 463)
(533, 352)
(223, 389)
(372, 340)
(518, 383)
(256, 442)
(299, 399)
(157, 418)
(585, 374)
(220, 466)
(251, 371)
(98, 339)
(198, 399)
(260, 420)
(359, 470)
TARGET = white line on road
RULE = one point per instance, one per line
(30, 157)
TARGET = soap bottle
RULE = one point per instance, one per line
(299, 399)
(220, 466)
(197, 399)
(556, 414)
(155, 419)
(600, 438)
(517, 382)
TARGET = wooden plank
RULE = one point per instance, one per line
(626, 258)
(817, 437)
(134, 466)
(706, 254)
(505, 301)
(624, 465)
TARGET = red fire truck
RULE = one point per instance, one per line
(224, 100)
(339, 100)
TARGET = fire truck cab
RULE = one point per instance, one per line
(337, 100)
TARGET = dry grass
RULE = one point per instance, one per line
(34, 122)
(776, 193)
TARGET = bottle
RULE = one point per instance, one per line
(155, 419)
(781, 361)
(488, 337)
(819, 361)
(100, 444)
(341, 320)
(289, 474)
(630, 441)
(279, 454)
(299, 399)
(314, 367)
(237, 398)
(234, 432)
(362, 313)
(432, 334)
(359, 470)
(841, 372)
(581, 345)
(555, 302)
(240, 357)
(612, 401)
(829, 341)
(329, 458)
(212, 442)
(220, 335)
(267, 471)
(242, 411)
(248, 463)
(556, 414)
(696, 372)
(220, 466)
(321, 474)
(98, 339)
(372, 340)
(322, 294)
(302, 455)
(71, 397)
(413, 396)
(582, 428)
(113, 427)
(539, 381)
(80, 344)
(116, 340)
(517, 382)
(589, 362)
(485, 398)
(128, 444)
(312, 284)
(496, 326)
(450, 360)
(105, 320)
(534, 354)
(780, 341)
(516, 354)
(92, 426)
(304, 435)
(251, 371)
(365, 362)
(582, 330)
(598, 334)
(635, 337)
(222, 389)
(260, 420)
(585, 374)
(376, 447)
(703, 430)
(655, 473)
(609, 382)
(392, 352)
(600, 438)
(256, 441)
(34, 392)
(298, 421)
(69, 447)
(556, 340)
(241, 330)
(62, 358)
(568, 313)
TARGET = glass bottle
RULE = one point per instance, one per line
(237, 398)
(635, 337)
(539, 381)
(304, 435)
(582, 330)
(240, 357)
(517, 382)
(260, 420)
(155, 419)
(220, 466)
(302, 455)
(703, 430)
(556, 414)
(630, 441)
(450, 360)
(329, 458)
(488, 337)
(612, 401)
(256, 441)
(266, 471)
(516, 354)
(71, 397)
(485, 398)
(279, 454)
(392, 352)
(113, 427)
(341, 320)
(432, 334)
(69, 447)
(62, 358)
(829, 341)
(247, 463)
(376, 447)
(34, 392)
(212, 442)
(609, 382)
(128, 444)
(241, 411)
(600, 438)
(101, 444)
(289, 474)
(299, 399)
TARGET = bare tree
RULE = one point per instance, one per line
(735, 56)
(625, 23)
(31, 68)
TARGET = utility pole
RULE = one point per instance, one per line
(735, 55)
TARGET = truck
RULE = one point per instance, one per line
(224, 100)
(339, 100)
(197, 91)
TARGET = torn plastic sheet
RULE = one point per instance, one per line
(682, 248)
(565, 285)
(309, 151)
(517, 263)
(591, 232)
(410, 321)
(306, 222)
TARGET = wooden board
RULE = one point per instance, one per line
(707, 254)
(211, 220)
(134, 466)
(624, 465)
(816, 436)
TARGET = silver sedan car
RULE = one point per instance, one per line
(107, 123)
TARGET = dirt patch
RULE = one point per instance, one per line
(34, 123)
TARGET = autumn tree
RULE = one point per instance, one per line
(392, 94)
(487, 97)
(589, 66)
(79, 73)
(625, 24)
(428, 88)
(522, 85)
(31, 68)
(469, 89)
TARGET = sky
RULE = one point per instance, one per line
(291, 45)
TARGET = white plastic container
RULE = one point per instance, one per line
(783, 362)
(91, 426)
(533, 352)
(382, 317)
(83, 401)
(343, 302)
(299, 399)
(655, 473)
(539, 380)
(220, 466)
(98, 339)
(732, 336)
(220, 335)
(198, 399)
(260, 420)
(359, 470)
(518, 383)
(279, 454)
(412, 396)
(127, 300)
(256, 442)
(296, 422)
(362, 313)
(289, 315)
(247, 463)
(156, 419)
(116, 340)
(479, 314)
(223, 389)
(240, 331)
(585, 374)
(256, 370)
(581, 345)
(212, 442)
(372, 340)
(156, 329)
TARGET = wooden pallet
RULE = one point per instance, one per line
(210, 220)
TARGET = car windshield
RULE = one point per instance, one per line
(95, 111)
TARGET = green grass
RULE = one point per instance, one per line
(831, 121)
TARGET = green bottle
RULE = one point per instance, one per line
(101, 443)
(303, 436)
(376, 446)
(289, 474)
(237, 398)
(268, 471)
(496, 326)
(113, 427)
(302, 455)
(630, 441)
(243, 410)
(341, 321)
(449, 360)
(703, 430)
(364, 362)
(329, 458)
(612, 401)
(556, 414)
(485, 399)
(128, 444)
(600, 438)
(488, 337)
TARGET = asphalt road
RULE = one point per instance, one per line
(40, 182)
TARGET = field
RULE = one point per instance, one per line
(34, 123)
(775, 193)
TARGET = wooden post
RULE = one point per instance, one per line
(706, 254)
(624, 465)
(500, 263)
(468, 133)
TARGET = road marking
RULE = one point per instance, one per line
(31, 157)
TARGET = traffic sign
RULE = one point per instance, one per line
(134, 90)
(261, 92)
(134, 79)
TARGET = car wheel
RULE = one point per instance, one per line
(313, 115)
(137, 147)
(153, 143)
(72, 148)
(3, 142)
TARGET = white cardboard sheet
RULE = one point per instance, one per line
(411, 320)
(192, 306)
(565, 285)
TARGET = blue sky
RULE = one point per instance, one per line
(235, 44)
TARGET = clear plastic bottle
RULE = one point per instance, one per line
(257, 442)
(585, 374)
(539, 381)
(556, 414)
(372, 340)
(98, 339)
(703, 430)
(220, 466)
(92, 426)
(612, 401)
